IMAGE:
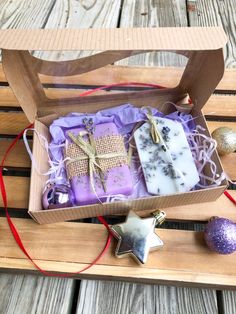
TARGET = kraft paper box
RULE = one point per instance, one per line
(204, 70)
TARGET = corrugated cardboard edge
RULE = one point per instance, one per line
(149, 203)
(152, 203)
(166, 38)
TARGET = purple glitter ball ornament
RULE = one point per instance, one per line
(57, 196)
(220, 235)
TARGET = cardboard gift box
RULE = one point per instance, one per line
(204, 70)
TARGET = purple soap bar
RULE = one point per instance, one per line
(117, 179)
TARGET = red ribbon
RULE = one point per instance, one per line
(16, 234)
(13, 229)
(226, 193)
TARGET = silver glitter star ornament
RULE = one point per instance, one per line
(136, 236)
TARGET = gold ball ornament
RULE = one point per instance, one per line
(226, 140)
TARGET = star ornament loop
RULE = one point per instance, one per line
(136, 236)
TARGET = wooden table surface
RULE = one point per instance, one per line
(35, 294)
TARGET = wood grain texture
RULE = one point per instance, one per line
(147, 13)
(229, 301)
(7, 98)
(24, 13)
(18, 156)
(12, 122)
(217, 105)
(80, 14)
(126, 298)
(216, 13)
(195, 212)
(17, 189)
(220, 106)
(33, 294)
(222, 207)
(212, 125)
(182, 260)
(166, 76)
(228, 162)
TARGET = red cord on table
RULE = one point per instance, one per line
(130, 84)
(16, 234)
(101, 219)
(13, 229)
(226, 193)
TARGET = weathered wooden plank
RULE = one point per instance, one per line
(14, 122)
(227, 82)
(25, 13)
(182, 260)
(153, 276)
(212, 125)
(217, 105)
(34, 294)
(166, 76)
(18, 195)
(229, 301)
(147, 13)
(220, 106)
(80, 14)
(18, 156)
(7, 98)
(125, 298)
(222, 207)
(216, 13)
(17, 189)
(228, 162)
(115, 74)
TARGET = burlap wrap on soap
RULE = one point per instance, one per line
(109, 144)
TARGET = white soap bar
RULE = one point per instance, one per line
(168, 166)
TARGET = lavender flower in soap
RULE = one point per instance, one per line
(168, 166)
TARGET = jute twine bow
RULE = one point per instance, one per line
(155, 134)
(157, 138)
(92, 157)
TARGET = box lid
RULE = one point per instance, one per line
(203, 47)
(179, 38)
